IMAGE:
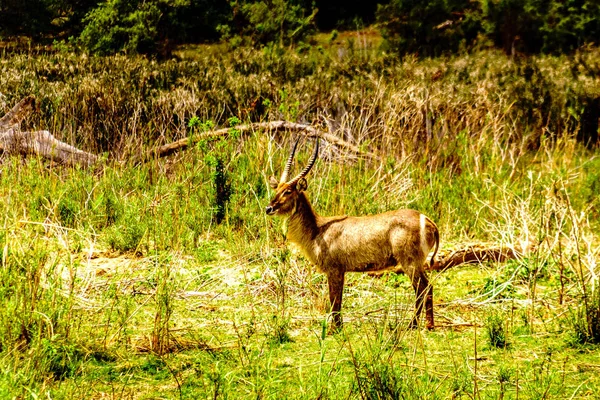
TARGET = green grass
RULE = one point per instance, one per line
(225, 310)
(120, 283)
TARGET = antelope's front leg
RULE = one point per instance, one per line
(335, 280)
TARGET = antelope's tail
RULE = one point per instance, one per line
(436, 235)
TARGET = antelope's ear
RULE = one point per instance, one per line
(273, 182)
(301, 185)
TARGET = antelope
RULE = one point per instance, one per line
(395, 240)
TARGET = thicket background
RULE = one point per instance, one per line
(428, 28)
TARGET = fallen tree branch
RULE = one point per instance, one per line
(476, 254)
(471, 254)
(40, 143)
(277, 126)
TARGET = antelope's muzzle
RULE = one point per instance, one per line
(270, 210)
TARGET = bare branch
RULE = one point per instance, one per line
(14, 117)
(276, 126)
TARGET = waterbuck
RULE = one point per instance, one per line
(395, 240)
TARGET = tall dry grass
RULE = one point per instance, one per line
(409, 108)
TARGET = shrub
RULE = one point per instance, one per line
(149, 26)
(548, 26)
(122, 25)
(278, 22)
(428, 28)
(68, 212)
(494, 325)
(384, 380)
(531, 26)
(222, 188)
(63, 360)
(127, 236)
(585, 320)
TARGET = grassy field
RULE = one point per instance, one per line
(168, 280)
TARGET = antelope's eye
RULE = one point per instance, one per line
(289, 191)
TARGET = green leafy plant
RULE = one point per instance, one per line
(121, 25)
(496, 331)
(63, 360)
(585, 321)
(497, 289)
(68, 212)
(206, 252)
(147, 27)
(221, 187)
(127, 236)
(113, 209)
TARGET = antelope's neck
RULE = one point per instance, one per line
(303, 226)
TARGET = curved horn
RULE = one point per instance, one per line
(288, 164)
(307, 169)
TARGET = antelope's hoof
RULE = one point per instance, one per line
(334, 329)
(414, 324)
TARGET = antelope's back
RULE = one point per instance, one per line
(376, 242)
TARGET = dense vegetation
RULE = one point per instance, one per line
(168, 280)
(427, 28)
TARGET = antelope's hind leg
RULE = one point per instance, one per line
(424, 296)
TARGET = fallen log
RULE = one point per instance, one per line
(476, 254)
(40, 143)
(470, 254)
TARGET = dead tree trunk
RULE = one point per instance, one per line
(40, 143)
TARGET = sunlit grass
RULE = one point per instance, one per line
(232, 311)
